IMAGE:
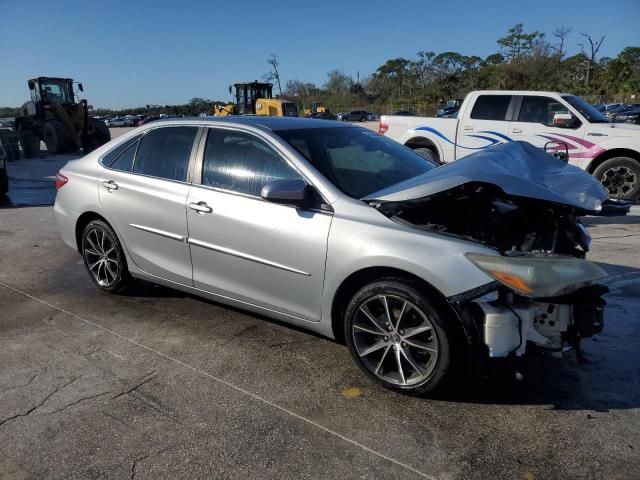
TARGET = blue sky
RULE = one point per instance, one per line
(166, 52)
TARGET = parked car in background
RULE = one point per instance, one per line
(145, 120)
(372, 117)
(555, 121)
(450, 109)
(610, 106)
(423, 271)
(353, 116)
(612, 112)
(323, 116)
(629, 116)
(121, 122)
(448, 112)
(621, 112)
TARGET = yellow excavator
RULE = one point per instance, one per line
(315, 108)
(255, 98)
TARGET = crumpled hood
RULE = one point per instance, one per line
(518, 168)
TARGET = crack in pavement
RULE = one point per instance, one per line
(57, 410)
(39, 404)
(228, 384)
(13, 387)
(137, 460)
(146, 379)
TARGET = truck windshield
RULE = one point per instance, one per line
(357, 161)
(588, 111)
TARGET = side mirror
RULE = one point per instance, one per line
(32, 85)
(565, 120)
(230, 89)
(80, 87)
(293, 191)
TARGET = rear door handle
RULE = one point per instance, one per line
(467, 128)
(200, 207)
(516, 130)
(110, 185)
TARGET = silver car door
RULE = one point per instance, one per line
(144, 192)
(244, 247)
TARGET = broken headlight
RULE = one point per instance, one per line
(539, 276)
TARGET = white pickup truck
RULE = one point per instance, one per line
(550, 120)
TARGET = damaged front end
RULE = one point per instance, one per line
(526, 206)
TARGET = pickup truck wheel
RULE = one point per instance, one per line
(620, 176)
(427, 153)
(398, 338)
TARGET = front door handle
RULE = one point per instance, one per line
(516, 130)
(467, 128)
(200, 207)
(110, 185)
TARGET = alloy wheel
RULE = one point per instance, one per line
(619, 181)
(395, 340)
(101, 257)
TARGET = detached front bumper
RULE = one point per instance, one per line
(506, 324)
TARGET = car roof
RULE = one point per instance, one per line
(269, 123)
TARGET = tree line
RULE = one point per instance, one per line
(524, 61)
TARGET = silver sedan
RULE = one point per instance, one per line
(336, 229)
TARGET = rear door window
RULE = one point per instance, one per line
(124, 161)
(491, 107)
(165, 153)
(111, 156)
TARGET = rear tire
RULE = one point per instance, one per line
(57, 137)
(428, 154)
(30, 143)
(412, 349)
(104, 258)
(620, 176)
(4, 182)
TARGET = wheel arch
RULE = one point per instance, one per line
(614, 152)
(83, 221)
(360, 278)
(424, 142)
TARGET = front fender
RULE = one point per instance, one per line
(438, 260)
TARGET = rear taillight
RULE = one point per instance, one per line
(382, 128)
(61, 180)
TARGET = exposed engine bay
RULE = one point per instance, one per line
(483, 213)
(525, 204)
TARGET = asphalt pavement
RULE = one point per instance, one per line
(160, 384)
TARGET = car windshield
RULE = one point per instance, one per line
(588, 111)
(357, 161)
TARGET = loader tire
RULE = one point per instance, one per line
(30, 143)
(57, 137)
(101, 131)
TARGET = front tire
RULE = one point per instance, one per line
(103, 257)
(620, 176)
(399, 337)
(57, 137)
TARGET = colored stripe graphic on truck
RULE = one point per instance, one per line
(572, 142)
